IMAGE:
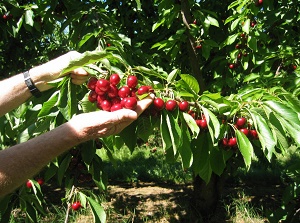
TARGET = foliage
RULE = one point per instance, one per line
(229, 59)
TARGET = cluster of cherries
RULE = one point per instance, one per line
(7, 17)
(242, 125)
(108, 96)
(39, 180)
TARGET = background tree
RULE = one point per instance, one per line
(229, 59)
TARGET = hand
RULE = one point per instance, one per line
(52, 70)
(101, 123)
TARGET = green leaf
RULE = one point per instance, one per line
(89, 152)
(144, 127)
(252, 41)
(29, 17)
(63, 167)
(213, 124)
(265, 135)
(172, 76)
(185, 148)
(206, 51)
(279, 132)
(246, 26)
(72, 99)
(201, 161)
(190, 121)
(245, 147)
(191, 81)
(97, 210)
(217, 161)
(234, 24)
(213, 21)
(48, 105)
(129, 135)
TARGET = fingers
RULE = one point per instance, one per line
(144, 104)
(79, 76)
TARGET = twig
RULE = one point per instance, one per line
(69, 205)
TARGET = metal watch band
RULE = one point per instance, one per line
(32, 88)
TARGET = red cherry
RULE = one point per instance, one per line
(237, 46)
(115, 100)
(231, 66)
(5, 17)
(202, 123)
(198, 46)
(143, 90)
(76, 205)
(99, 92)
(92, 96)
(240, 122)
(159, 104)
(114, 79)
(192, 113)
(112, 91)
(171, 105)
(130, 103)
(40, 181)
(232, 142)
(245, 131)
(92, 83)
(132, 81)
(103, 84)
(124, 92)
(105, 105)
(28, 184)
(116, 107)
(254, 134)
(225, 142)
(294, 67)
(253, 23)
(183, 106)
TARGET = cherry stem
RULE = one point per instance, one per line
(69, 205)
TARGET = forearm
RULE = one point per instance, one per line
(14, 91)
(22, 161)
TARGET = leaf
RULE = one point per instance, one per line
(279, 132)
(90, 57)
(252, 42)
(246, 26)
(213, 21)
(217, 161)
(63, 167)
(97, 210)
(265, 135)
(234, 24)
(48, 105)
(144, 127)
(201, 161)
(213, 124)
(29, 17)
(191, 81)
(190, 121)
(206, 51)
(129, 135)
(88, 153)
(138, 3)
(172, 76)
(185, 148)
(245, 147)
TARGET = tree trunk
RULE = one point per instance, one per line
(206, 196)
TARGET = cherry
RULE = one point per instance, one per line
(100, 98)
(143, 90)
(171, 105)
(92, 96)
(258, 2)
(130, 103)
(112, 91)
(253, 23)
(115, 100)
(224, 142)
(192, 113)
(76, 205)
(202, 123)
(105, 105)
(40, 181)
(124, 92)
(114, 79)
(92, 83)
(232, 142)
(28, 184)
(159, 104)
(238, 46)
(99, 92)
(198, 46)
(240, 122)
(294, 67)
(254, 134)
(103, 85)
(231, 66)
(132, 81)
(245, 131)
(4, 17)
(183, 106)
(116, 107)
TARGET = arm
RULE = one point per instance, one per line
(22, 161)
(14, 91)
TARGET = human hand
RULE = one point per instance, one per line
(101, 123)
(51, 71)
